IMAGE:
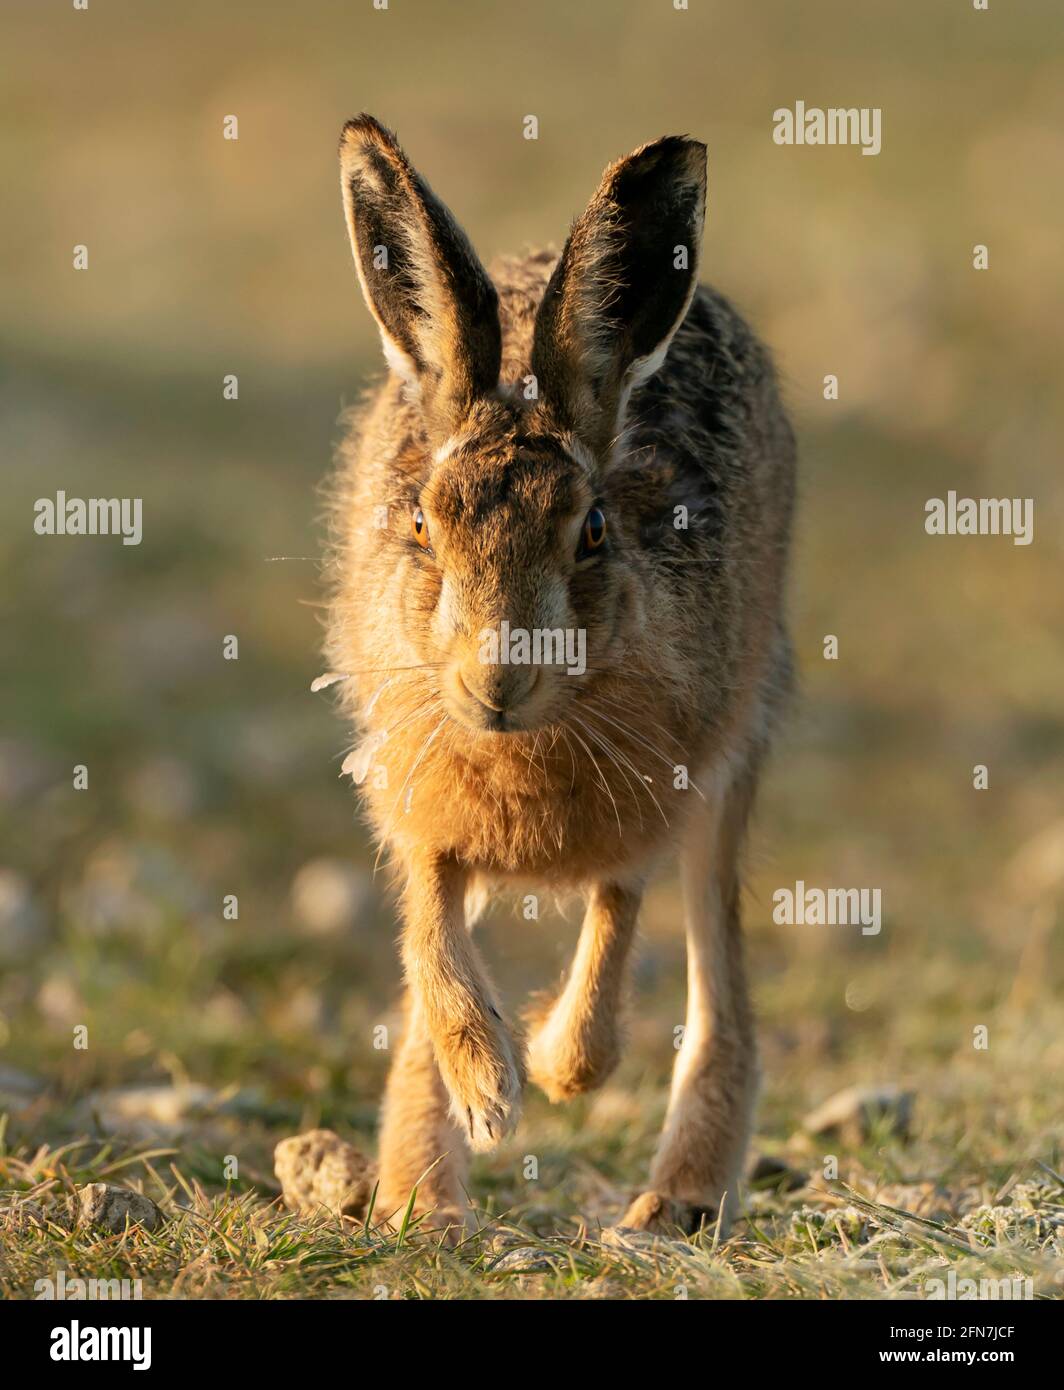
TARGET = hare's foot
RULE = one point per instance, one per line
(576, 1040)
(481, 1068)
(420, 1148)
(571, 1050)
(694, 1177)
(661, 1215)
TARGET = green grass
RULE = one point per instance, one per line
(973, 1186)
(825, 1240)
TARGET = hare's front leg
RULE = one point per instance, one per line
(576, 1042)
(420, 1145)
(478, 1059)
(700, 1155)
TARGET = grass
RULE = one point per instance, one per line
(826, 1240)
(974, 1186)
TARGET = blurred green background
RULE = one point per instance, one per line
(210, 777)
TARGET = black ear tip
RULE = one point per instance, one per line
(671, 157)
(689, 155)
(363, 130)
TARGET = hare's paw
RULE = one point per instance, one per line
(482, 1071)
(657, 1214)
(568, 1055)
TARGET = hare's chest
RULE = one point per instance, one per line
(550, 816)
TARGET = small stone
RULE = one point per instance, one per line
(18, 1090)
(329, 896)
(528, 1259)
(21, 918)
(150, 1113)
(640, 1243)
(131, 887)
(59, 1001)
(319, 1169)
(857, 1112)
(163, 788)
(24, 770)
(1037, 868)
(769, 1171)
(110, 1208)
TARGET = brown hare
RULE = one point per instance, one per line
(587, 449)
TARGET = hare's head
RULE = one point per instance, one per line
(510, 540)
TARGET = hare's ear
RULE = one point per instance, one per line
(622, 286)
(436, 308)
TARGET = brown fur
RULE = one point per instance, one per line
(477, 772)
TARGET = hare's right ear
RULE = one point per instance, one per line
(436, 308)
(622, 286)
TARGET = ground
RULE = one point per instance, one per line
(973, 1185)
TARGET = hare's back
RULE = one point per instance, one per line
(714, 412)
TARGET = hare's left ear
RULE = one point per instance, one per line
(622, 286)
(434, 303)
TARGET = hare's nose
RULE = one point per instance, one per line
(499, 688)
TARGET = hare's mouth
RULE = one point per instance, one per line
(515, 704)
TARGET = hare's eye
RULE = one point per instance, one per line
(594, 532)
(420, 527)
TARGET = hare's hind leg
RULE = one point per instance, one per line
(700, 1154)
(420, 1145)
(575, 1042)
